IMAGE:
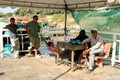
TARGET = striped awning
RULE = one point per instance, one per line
(60, 4)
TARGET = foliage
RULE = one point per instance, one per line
(46, 12)
(51, 16)
(1, 14)
(9, 14)
(57, 17)
(21, 12)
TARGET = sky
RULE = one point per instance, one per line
(7, 10)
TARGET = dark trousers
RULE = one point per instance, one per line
(77, 54)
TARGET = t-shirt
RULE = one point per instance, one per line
(95, 43)
(12, 30)
(33, 27)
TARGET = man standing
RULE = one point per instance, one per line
(12, 27)
(96, 48)
(33, 28)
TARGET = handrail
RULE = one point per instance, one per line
(115, 39)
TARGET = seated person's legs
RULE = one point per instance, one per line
(92, 56)
(15, 47)
(77, 55)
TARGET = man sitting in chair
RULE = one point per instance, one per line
(97, 47)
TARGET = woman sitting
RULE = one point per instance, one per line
(78, 53)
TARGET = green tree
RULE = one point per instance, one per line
(9, 14)
(21, 12)
(1, 14)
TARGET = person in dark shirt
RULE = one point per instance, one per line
(12, 28)
(78, 53)
(82, 35)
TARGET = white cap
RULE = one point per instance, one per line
(94, 29)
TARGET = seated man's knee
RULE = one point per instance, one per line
(91, 52)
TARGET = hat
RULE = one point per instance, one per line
(94, 29)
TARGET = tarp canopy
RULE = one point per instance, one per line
(104, 20)
(60, 4)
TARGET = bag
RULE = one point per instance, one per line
(76, 42)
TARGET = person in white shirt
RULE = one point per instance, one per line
(13, 34)
(97, 47)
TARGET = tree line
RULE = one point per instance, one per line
(24, 12)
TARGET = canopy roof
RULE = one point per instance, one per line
(59, 4)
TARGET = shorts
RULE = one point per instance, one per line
(35, 42)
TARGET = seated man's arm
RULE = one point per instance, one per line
(85, 43)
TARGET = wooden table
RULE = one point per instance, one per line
(69, 46)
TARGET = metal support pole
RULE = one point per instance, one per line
(65, 20)
(65, 28)
(114, 51)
